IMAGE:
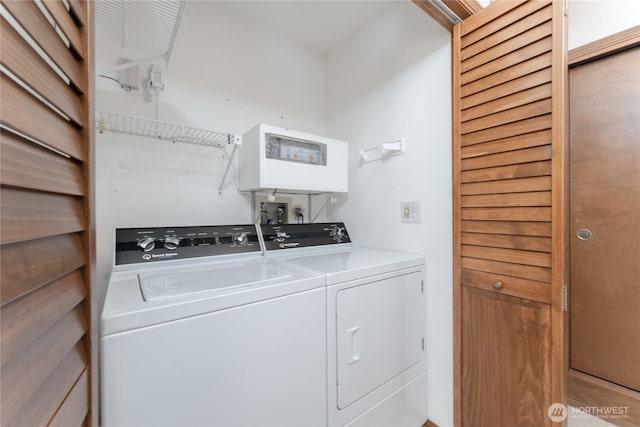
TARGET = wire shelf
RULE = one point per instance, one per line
(133, 125)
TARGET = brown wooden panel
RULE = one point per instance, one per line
(79, 11)
(506, 352)
(34, 22)
(31, 117)
(22, 377)
(75, 407)
(537, 198)
(506, 33)
(527, 243)
(66, 23)
(520, 84)
(524, 68)
(526, 155)
(479, 20)
(528, 289)
(511, 115)
(507, 172)
(25, 63)
(515, 228)
(588, 391)
(517, 45)
(505, 131)
(511, 101)
(507, 214)
(502, 15)
(39, 410)
(522, 185)
(27, 318)
(29, 265)
(518, 142)
(605, 46)
(540, 274)
(28, 215)
(505, 62)
(515, 256)
(27, 165)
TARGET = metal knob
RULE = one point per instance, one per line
(171, 242)
(240, 239)
(498, 285)
(146, 244)
(584, 234)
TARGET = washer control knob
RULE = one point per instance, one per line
(338, 233)
(146, 244)
(171, 242)
(240, 239)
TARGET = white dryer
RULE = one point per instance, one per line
(376, 323)
(199, 329)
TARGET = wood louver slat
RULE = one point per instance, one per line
(539, 259)
(527, 243)
(509, 88)
(28, 165)
(31, 117)
(528, 272)
(43, 405)
(32, 215)
(65, 21)
(522, 185)
(25, 62)
(472, 46)
(25, 320)
(23, 376)
(498, 13)
(516, 114)
(507, 214)
(47, 349)
(37, 26)
(515, 44)
(533, 139)
(28, 265)
(527, 155)
(537, 198)
(516, 228)
(516, 170)
(505, 131)
(527, 96)
(528, 289)
(520, 69)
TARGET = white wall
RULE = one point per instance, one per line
(226, 75)
(590, 20)
(393, 80)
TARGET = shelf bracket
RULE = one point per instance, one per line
(226, 171)
(382, 151)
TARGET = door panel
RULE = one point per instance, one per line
(605, 199)
(510, 213)
(504, 381)
(364, 335)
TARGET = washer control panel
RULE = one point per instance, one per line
(287, 236)
(141, 245)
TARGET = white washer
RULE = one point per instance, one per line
(215, 335)
(376, 323)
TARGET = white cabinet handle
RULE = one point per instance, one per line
(353, 342)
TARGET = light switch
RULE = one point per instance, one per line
(410, 212)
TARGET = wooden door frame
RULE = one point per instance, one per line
(583, 388)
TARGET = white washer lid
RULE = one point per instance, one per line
(190, 280)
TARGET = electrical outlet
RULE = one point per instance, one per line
(410, 212)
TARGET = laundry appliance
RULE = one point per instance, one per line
(200, 329)
(376, 321)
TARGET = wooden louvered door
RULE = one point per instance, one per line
(509, 213)
(46, 222)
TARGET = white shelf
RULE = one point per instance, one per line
(133, 125)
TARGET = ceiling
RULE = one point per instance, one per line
(321, 25)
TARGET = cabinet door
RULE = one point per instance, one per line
(509, 213)
(506, 354)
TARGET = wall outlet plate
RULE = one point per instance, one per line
(410, 212)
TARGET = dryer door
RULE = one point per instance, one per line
(380, 328)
